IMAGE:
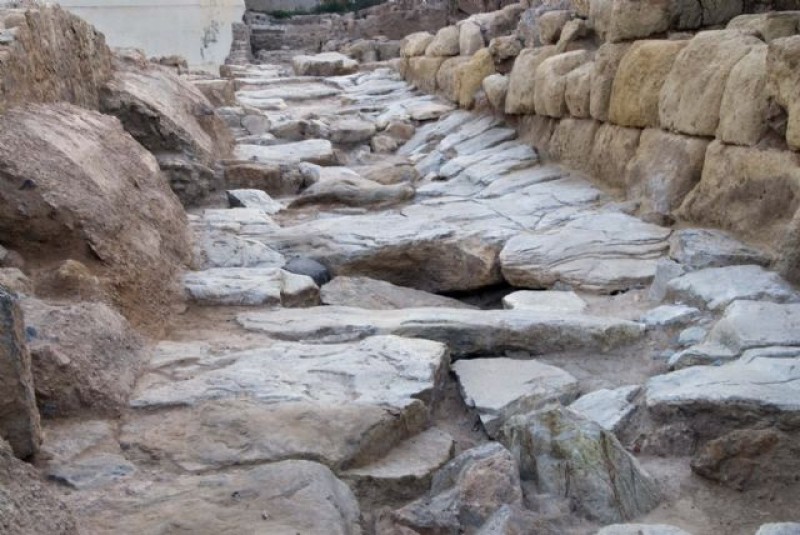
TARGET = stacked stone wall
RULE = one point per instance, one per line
(694, 113)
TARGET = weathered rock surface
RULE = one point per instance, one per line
(746, 392)
(444, 43)
(28, 506)
(326, 64)
(520, 98)
(92, 194)
(499, 388)
(692, 95)
(319, 151)
(465, 492)
(406, 471)
(285, 497)
(601, 253)
(363, 292)
(353, 190)
(612, 409)
(168, 115)
(85, 356)
(250, 286)
(664, 170)
(744, 111)
(669, 315)
(779, 528)
(782, 83)
(748, 458)
(568, 455)
(624, 20)
(704, 248)
(70, 65)
(253, 198)
(19, 417)
(466, 332)
(414, 44)
(715, 288)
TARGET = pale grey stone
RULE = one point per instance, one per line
(250, 287)
(603, 253)
(363, 292)
(467, 332)
(641, 529)
(716, 288)
(253, 198)
(753, 324)
(779, 528)
(319, 151)
(325, 64)
(499, 388)
(612, 409)
(691, 336)
(666, 270)
(545, 301)
(669, 315)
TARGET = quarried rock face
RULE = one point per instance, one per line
(19, 417)
(76, 185)
(49, 55)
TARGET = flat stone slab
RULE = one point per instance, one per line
(756, 324)
(703, 248)
(603, 253)
(220, 249)
(669, 315)
(612, 409)
(319, 151)
(746, 389)
(381, 370)
(716, 288)
(499, 388)
(779, 528)
(252, 286)
(363, 292)
(406, 471)
(266, 98)
(545, 301)
(466, 332)
(285, 497)
(253, 198)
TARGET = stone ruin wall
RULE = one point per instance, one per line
(692, 113)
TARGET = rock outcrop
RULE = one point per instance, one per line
(76, 185)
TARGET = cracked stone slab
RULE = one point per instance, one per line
(754, 324)
(286, 497)
(254, 198)
(716, 288)
(499, 388)
(605, 252)
(379, 370)
(253, 286)
(466, 332)
(363, 292)
(219, 249)
(318, 151)
(669, 315)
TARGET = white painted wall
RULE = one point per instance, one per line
(199, 30)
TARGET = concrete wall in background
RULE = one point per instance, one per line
(199, 30)
(275, 5)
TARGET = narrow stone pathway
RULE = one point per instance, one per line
(276, 407)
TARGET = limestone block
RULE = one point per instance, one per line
(521, 89)
(550, 81)
(415, 44)
(446, 80)
(692, 94)
(623, 20)
(665, 169)
(422, 72)
(769, 26)
(470, 76)
(550, 24)
(640, 77)
(747, 190)
(614, 147)
(606, 64)
(470, 38)
(495, 86)
(578, 91)
(783, 74)
(744, 111)
(572, 142)
(445, 43)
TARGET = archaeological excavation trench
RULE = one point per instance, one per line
(507, 269)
